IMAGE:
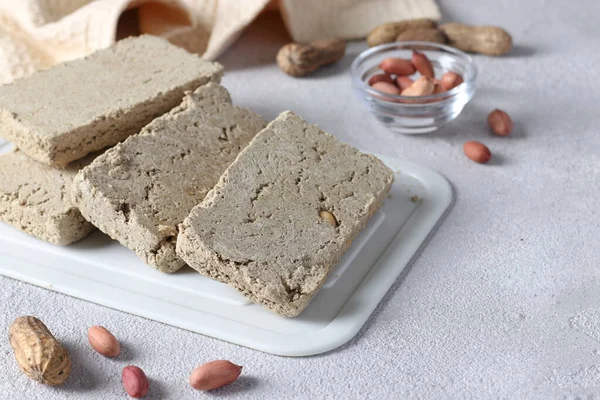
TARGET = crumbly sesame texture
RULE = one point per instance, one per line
(139, 191)
(261, 229)
(35, 198)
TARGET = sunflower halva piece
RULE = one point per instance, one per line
(262, 229)
(61, 114)
(139, 191)
(35, 198)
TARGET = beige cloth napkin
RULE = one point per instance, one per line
(36, 34)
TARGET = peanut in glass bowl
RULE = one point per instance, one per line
(415, 115)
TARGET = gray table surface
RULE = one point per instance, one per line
(504, 299)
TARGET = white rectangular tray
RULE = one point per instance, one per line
(100, 270)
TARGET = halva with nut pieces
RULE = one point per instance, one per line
(264, 228)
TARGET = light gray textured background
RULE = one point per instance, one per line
(502, 302)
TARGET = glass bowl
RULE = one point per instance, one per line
(415, 115)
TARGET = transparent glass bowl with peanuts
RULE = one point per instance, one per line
(414, 87)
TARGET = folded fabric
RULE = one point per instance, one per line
(36, 34)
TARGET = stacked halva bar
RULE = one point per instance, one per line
(63, 114)
(195, 180)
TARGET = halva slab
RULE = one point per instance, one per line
(139, 191)
(35, 198)
(283, 214)
(61, 114)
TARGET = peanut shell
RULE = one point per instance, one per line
(387, 33)
(489, 40)
(39, 355)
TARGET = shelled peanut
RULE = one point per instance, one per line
(477, 151)
(500, 122)
(422, 64)
(103, 341)
(215, 374)
(135, 381)
(403, 82)
(423, 86)
(395, 77)
(450, 80)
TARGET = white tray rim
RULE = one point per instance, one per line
(341, 330)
